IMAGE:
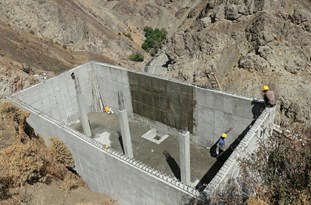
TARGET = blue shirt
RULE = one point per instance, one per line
(221, 141)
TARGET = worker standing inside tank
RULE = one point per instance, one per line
(222, 143)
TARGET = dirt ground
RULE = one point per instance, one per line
(40, 194)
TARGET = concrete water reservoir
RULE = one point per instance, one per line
(160, 165)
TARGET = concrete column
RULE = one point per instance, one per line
(184, 155)
(125, 132)
(83, 115)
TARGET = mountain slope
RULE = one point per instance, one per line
(248, 44)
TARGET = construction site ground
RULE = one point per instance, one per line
(163, 157)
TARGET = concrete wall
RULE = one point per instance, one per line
(216, 111)
(110, 172)
(57, 96)
(261, 130)
(205, 113)
(111, 81)
(162, 100)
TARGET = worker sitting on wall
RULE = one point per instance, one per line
(108, 110)
(268, 96)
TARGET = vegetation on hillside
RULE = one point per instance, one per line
(137, 57)
(154, 39)
(280, 171)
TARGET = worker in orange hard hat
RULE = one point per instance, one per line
(268, 96)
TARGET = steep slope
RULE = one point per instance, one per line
(248, 44)
(50, 36)
(110, 28)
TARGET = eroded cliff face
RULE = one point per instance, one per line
(248, 44)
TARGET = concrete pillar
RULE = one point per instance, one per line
(83, 115)
(125, 132)
(184, 154)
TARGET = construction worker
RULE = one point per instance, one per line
(221, 143)
(268, 96)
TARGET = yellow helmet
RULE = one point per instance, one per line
(107, 108)
(224, 135)
(265, 88)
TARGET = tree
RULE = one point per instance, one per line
(154, 39)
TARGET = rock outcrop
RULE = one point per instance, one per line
(249, 44)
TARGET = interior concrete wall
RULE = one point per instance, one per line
(205, 113)
(162, 100)
(109, 172)
(215, 112)
(112, 80)
(57, 96)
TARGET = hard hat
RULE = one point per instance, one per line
(107, 108)
(265, 88)
(224, 135)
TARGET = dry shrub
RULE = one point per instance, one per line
(13, 122)
(4, 192)
(280, 169)
(61, 153)
(255, 201)
(21, 163)
(72, 181)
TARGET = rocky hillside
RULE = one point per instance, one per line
(54, 35)
(246, 44)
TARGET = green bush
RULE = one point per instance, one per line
(137, 57)
(154, 39)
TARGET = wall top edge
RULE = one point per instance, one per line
(90, 63)
(177, 81)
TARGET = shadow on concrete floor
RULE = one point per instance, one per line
(172, 164)
(221, 159)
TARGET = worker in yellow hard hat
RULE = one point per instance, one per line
(222, 143)
(268, 96)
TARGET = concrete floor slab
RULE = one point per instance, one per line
(163, 156)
